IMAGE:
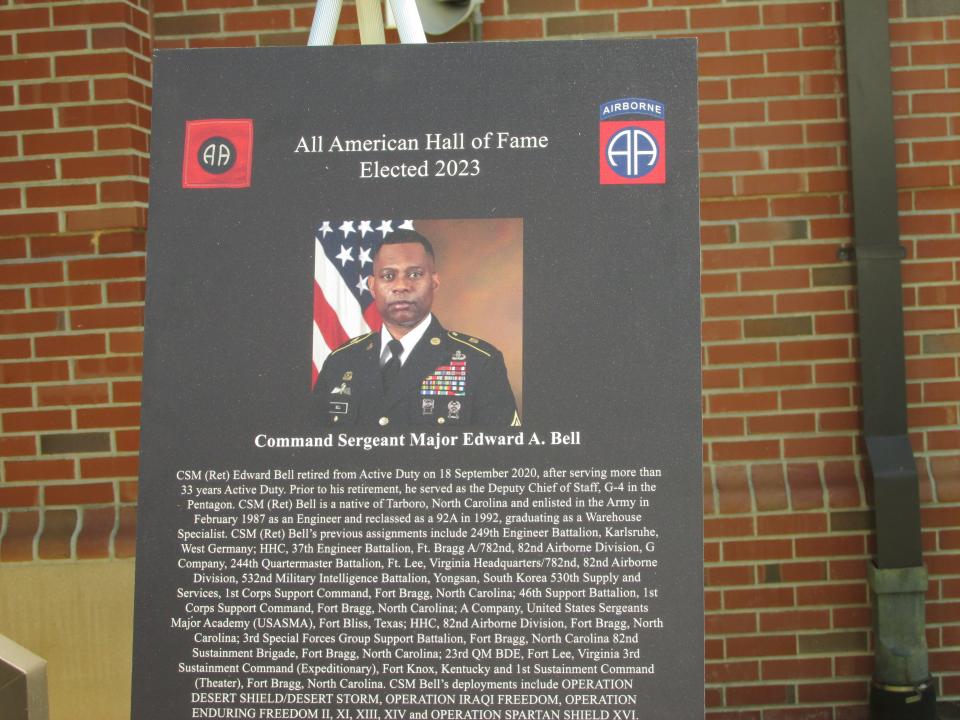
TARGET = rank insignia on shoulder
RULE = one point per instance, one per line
(458, 355)
(473, 340)
(348, 375)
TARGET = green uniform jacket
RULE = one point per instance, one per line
(449, 379)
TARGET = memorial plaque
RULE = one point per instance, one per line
(421, 402)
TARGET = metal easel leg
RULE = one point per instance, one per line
(370, 20)
(325, 19)
(409, 25)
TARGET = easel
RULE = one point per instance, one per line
(370, 20)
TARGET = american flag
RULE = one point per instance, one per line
(343, 261)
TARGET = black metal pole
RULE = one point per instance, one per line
(902, 687)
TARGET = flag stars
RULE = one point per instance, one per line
(386, 226)
(325, 228)
(345, 256)
(365, 228)
(361, 285)
(346, 228)
(365, 256)
(407, 225)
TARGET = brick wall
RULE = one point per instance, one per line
(74, 128)
(786, 492)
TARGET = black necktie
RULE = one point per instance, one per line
(392, 367)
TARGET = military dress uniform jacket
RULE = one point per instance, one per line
(449, 379)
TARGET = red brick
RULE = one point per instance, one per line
(766, 694)
(826, 692)
(73, 394)
(736, 161)
(733, 209)
(100, 166)
(718, 330)
(31, 222)
(786, 620)
(78, 494)
(123, 191)
(70, 345)
(18, 539)
(109, 467)
(818, 447)
(125, 539)
(15, 397)
(770, 184)
(92, 368)
(796, 523)
(30, 273)
(61, 245)
(739, 353)
(127, 342)
(108, 218)
(36, 420)
(803, 480)
(729, 65)
(33, 371)
(743, 402)
(106, 268)
(96, 532)
(732, 575)
(733, 491)
(804, 157)
(11, 497)
(26, 470)
(775, 280)
(796, 350)
(817, 301)
(57, 535)
(127, 441)
(751, 550)
(738, 306)
(843, 487)
(761, 645)
(256, 21)
(768, 487)
(102, 114)
(65, 295)
(51, 41)
(13, 299)
(22, 69)
(831, 546)
(650, 20)
(122, 242)
(742, 671)
(725, 378)
(737, 112)
(62, 195)
(108, 417)
(106, 318)
(713, 283)
(735, 258)
(126, 392)
(17, 446)
(53, 92)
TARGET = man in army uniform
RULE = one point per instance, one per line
(413, 372)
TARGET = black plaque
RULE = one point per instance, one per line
(516, 534)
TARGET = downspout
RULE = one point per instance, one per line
(902, 687)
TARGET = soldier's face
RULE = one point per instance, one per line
(402, 285)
